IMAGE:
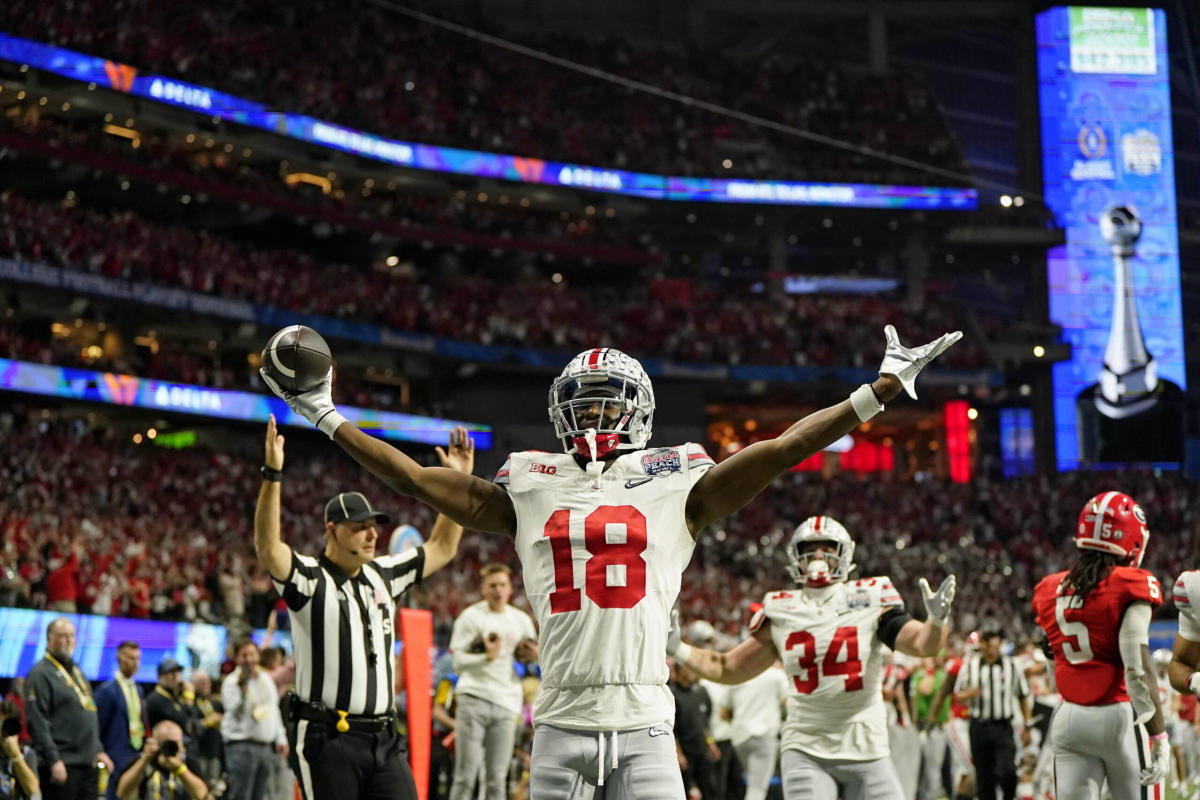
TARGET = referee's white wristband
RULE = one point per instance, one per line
(864, 402)
(682, 653)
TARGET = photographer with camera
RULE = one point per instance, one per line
(18, 765)
(487, 637)
(251, 728)
(160, 772)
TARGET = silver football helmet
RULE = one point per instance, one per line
(820, 569)
(612, 379)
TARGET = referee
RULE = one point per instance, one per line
(994, 689)
(341, 723)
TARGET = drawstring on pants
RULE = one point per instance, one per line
(600, 755)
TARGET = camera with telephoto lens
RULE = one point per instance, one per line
(10, 727)
(168, 748)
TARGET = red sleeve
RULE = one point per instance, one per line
(1138, 585)
(954, 667)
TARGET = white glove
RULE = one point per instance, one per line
(905, 362)
(315, 405)
(937, 604)
(1160, 761)
(1193, 682)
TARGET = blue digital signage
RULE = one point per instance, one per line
(184, 398)
(126, 78)
(1109, 172)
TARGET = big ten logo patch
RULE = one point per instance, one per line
(545, 469)
(661, 462)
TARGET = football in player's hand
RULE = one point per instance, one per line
(297, 358)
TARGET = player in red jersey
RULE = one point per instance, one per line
(1096, 617)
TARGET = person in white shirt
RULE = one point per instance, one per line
(252, 727)
(756, 717)
(486, 637)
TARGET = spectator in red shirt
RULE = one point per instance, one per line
(62, 581)
(16, 694)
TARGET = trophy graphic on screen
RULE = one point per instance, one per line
(1129, 414)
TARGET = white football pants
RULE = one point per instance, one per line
(1095, 743)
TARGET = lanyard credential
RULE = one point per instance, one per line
(82, 690)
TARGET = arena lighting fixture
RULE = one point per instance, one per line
(294, 178)
(1006, 201)
(1038, 351)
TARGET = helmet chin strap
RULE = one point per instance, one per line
(594, 467)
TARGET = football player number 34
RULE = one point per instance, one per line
(844, 639)
(602, 554)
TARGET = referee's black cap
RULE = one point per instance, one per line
(353, 507)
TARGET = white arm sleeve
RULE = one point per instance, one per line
(1134, 634)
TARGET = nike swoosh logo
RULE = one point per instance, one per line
(658, 732)
(637, 483)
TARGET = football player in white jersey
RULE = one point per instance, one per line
(604, 531)
(831, 634)
(1184, 669)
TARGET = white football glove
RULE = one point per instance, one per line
(1160, 762)
(906, 362)
(1194, 682)
(937, 604)
(315, 405)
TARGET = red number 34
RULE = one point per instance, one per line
(603, 554)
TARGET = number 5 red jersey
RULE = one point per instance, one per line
(1083, 632)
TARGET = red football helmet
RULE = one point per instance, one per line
(1113, 523)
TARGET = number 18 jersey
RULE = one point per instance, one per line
(602, 569)
(834, 663)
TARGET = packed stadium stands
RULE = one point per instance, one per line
(418, 82)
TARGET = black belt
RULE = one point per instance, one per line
(1005, 721)
(341, 720)
(250, 741)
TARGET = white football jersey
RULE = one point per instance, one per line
(602, 569)
(1187, 600)
(834, 662)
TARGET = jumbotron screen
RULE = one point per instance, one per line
(1109, 175)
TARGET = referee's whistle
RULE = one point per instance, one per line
(342, 725)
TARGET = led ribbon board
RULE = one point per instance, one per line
(128, 79)
(128, 390)
(1109, 174)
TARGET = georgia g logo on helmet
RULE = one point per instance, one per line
(809, 567)
(605, 391)
(1111, 522)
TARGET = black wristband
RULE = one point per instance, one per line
(271, 474)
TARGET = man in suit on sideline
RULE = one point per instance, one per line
(119, 706)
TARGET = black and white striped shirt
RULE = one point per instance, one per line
(1001, 684)
(342, 628)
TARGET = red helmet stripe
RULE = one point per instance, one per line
(817, 525)
(594, 358)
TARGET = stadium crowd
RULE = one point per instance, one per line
(688, 322)
(202, 168)
(418, 82)
(148, 545)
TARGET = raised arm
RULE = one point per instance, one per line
(736, 480)
(275, 556)
(471, 502)
(926, 638)
(444, 539)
